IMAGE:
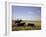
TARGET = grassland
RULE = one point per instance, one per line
(36, 27)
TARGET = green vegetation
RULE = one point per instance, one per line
(36, 27)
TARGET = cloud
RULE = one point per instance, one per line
(31, 12)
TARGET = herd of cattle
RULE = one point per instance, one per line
(18, 23)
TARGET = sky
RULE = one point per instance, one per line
(26, 13)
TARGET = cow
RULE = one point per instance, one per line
(29, 24)
(20, 24)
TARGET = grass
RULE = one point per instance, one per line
(36, 27)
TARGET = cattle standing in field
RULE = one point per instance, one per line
(29, 24)
(20, 24)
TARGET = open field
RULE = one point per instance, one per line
(37, 25)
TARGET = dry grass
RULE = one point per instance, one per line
(36, 27)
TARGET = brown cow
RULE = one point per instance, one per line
(29, 24)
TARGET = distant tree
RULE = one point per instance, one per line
(18, 21)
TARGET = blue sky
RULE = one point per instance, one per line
(26, 13)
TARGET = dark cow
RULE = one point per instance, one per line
(20, 24)
(29, 24)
